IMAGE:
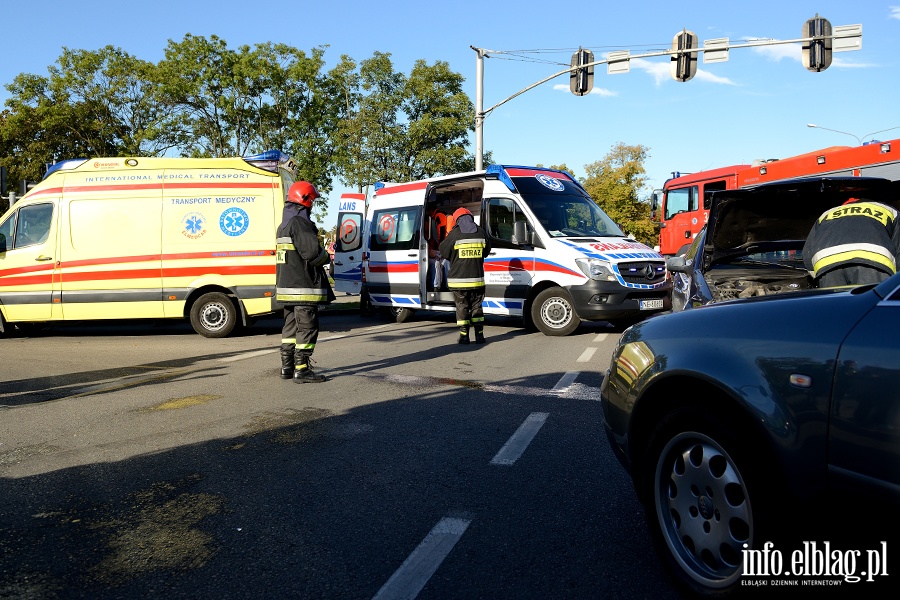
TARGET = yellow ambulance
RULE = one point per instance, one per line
(146, 238)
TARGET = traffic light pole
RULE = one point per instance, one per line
(851, 33)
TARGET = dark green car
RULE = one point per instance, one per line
(760, 432)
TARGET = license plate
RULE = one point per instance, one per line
(651, 304)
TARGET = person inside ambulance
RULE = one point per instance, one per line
(301, 283)
(466, 247)
(853, 244)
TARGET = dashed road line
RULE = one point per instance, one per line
(565, 382)
(417, 569)
(601, 338)
(516, 445)
(586, 355)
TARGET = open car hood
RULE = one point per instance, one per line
(778, 216)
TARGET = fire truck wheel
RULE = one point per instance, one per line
(213, 315)
(553, 313)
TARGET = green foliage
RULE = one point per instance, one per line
(362, 123)
(615, 182)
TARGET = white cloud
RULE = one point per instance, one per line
(779, 51)
(709, 77)
(594, 91)
(661, 71)
(895, 13)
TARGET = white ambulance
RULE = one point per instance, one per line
(146, 238)
(557, 258)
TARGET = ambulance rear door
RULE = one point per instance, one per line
(397, 262)
(348, 246)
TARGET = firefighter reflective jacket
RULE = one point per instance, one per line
(299, 274)
(859, 233)
(466, 252)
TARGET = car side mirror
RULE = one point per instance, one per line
(520, 233)
(676, 264)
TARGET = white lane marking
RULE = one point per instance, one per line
(516, 445)
(602, 337)
(586, 355)
(253, 354)
(565, 381)
(256, 353)
(417, 569)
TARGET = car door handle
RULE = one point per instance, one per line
(416, 254)
(340, 264)
(44, 258)
(492, 254)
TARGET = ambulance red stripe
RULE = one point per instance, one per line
(132, 187)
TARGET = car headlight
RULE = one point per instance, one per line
(596, 269)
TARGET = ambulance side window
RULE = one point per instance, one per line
(34, 225)
(6, 229)
(395, 229)
(502, 213)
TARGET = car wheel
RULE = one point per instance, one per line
(213, 315)
(700, 503)
(399, 314)
(553, 313)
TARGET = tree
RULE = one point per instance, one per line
(404, 128)
(615, 183)
(91, 103)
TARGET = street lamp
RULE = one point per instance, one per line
(858, 139)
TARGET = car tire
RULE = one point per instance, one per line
(213, 315)
(553, 312)
(705, 499)
(399, 314)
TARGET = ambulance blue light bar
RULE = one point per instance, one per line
(272, 160)
(64, 165)
(500, 173)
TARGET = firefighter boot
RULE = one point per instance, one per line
(479, 335)
(463, 335)
(303, 372)
(287, 364)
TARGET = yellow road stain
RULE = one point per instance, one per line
(178, 403)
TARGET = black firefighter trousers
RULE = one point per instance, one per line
(468, 309)
(300, 332)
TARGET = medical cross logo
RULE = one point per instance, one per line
(234, 222)
(550, 182)
(194, 226)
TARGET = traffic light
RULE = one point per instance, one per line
(683, 65)
(581, 80)
(817, 52)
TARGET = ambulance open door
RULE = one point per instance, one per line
(348, 245)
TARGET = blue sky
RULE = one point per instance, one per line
(755, 106)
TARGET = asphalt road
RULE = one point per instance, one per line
(141, 460)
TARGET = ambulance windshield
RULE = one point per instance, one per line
(567, 212)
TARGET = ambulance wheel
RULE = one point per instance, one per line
(213, 315)
(553, 313)
(399, 314)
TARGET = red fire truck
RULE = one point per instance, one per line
(680, 206)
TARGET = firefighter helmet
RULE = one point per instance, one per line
(302, 193)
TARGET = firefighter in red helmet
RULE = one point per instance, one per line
(301, 284)
(466, 246)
